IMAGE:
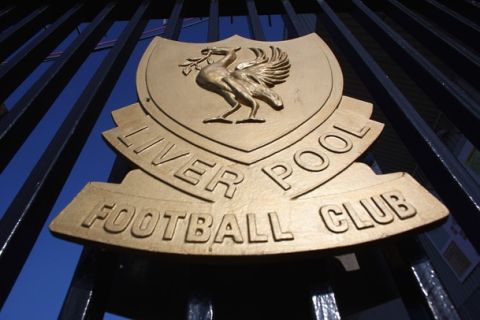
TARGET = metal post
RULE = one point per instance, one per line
(13, 37)
(213, 19)
(31, 107)
(417, 280)
(254, 20)
(449, 177)
(27, 58)
(174, 24)
(88, 293)
(295, 24)
(451, 21)
(460, 108)
(464, 61)
(26, 215)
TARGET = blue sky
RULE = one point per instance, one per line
(44, 280)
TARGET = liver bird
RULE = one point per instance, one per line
(249, 80)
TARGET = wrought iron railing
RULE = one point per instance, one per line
(444, 27)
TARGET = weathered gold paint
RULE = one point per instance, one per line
(250, 156)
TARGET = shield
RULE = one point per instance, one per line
(172, 91)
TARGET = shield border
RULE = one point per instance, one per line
(228, 152)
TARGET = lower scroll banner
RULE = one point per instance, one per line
(157, 218)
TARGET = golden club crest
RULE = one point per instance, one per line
(245, 148)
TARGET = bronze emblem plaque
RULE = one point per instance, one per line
(245, 148)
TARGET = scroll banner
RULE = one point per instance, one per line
(167, 221)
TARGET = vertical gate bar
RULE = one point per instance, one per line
(456, 187)
(4, 12)
(416, 279)
(27, 213)
(474, 4)
(257, 30)
(213, 33)
(460, 108)
(199, 306)
(23, 62)
(453, 22)
(13, 37)
(88, 293)
(435, 294)
(408, 290)
(292, 19)
(200, 291)
(120, 168)
(433, 291)
(470, 9)
(3, 110)
(27, 112)
(78, 303)
(463, 61)
(324, 304)
(7, 16)
(174, 24)
(318, 276)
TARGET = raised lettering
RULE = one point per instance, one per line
(229, 178)
(278, 233)
(253, 235)
(279, 171)
(229, 228)
(335, 142)
(193, 170)
(167, 154)
(147, 144)
(318, 162)
(382, 214)
(199, 227)
(399, 205)
(124, 138)
(173, 217)
(120, 218)
(145, 223)
(357, 132)
(334, 218)
(360, 219)
(100, 211)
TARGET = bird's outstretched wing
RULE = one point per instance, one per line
(268, 71)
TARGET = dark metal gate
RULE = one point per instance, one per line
(374, 41)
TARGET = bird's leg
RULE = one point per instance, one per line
(222, 118)
(233, 110)
(218, 119)
(241, 91)
(253, 113)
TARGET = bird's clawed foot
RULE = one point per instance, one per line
(217, 120)
(250, 120)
